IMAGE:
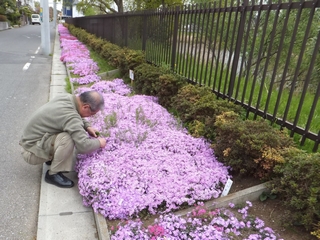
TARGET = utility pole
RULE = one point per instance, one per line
(45, 27)
(54, 14)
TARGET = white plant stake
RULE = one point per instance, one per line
(227, 188)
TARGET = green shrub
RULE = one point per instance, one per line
(128, 59)
(249, 147)
(188, 97)
(79, 33)
(168, 87)
(147, 79)
(110, 51)
(96, 44)
(297, 183)
(195, 105)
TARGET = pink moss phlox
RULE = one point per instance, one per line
(147, 151)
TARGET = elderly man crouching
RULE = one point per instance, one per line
(58, 127)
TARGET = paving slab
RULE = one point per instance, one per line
(62, 214)
(58, 80)
(77, 226)
(59, 69)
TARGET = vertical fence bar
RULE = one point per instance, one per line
(272, 36)
(266, 59)
(175, 36)
(210, 12)
(156, 39)
(201, 30)
(196, 51)
(191, 27)
(125, 27)
(222, 79)
(285, 24)
(214, 49)
(186, 44)
(304, 91)
(219, 50)
(210, 46)
(144, 32)
(244, 53)
(232, 48)
(180, 37)
(296, 74)
(313, 108)
(159, 30)
(168, 41)
(162, 29)
(206, 49)
(258, 61)
(250, 58)
(283, 80)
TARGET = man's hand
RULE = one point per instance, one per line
(92, 132)
(103, 142)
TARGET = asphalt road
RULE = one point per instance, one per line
(24, 78)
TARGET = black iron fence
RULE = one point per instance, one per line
(264, 56)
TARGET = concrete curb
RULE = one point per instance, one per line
(109, 74)
(102, 227)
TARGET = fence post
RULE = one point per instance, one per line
(237, 49)
(144, 32)
(175, 37)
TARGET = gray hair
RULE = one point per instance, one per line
(94, 99)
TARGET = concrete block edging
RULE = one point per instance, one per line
(249, 194)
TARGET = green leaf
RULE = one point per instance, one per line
(263, 197)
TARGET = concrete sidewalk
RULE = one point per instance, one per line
(61, 212)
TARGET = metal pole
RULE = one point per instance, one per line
(42, 26)
(54, 14)
(45, 28)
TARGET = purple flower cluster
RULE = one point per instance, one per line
(149, 160)
(77, 58)
(200, 224)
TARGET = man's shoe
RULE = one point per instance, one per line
(59, 180)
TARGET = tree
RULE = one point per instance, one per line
(118, 6)
(10, 10)
(7, 7)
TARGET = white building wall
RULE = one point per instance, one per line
(31, 4)
(75, 12)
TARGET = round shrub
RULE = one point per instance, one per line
(109, 52)
(147, 79)
(249, 147)
(195, 105)
(168, 87)
(297, 183)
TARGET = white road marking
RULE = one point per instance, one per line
(37, 50)
(26, 66)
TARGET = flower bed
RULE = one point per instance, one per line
(150, 161)
(222, 224)
(150, 164)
